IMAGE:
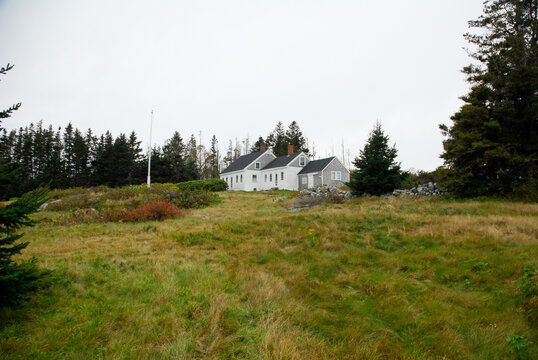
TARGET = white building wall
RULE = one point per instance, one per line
(290, 181)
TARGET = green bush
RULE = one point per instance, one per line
(192, 199)
(208, 185)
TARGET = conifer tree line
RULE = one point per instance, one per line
(70, 157)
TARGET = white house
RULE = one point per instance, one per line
(262, 170)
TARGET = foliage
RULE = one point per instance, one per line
(517, 345)
(491, 147)
(279, 139)
(153, 211)
(377, 171)
(4, 114)
(71, 158)
(207, 185)
(421, 177)
(192, 199)
(17, 279)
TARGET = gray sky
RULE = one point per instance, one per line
(236, 68)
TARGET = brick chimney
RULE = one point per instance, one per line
(290, 149)
(263, 147)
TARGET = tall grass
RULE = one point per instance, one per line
(392, 278)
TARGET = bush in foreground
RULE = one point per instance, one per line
(17, 279)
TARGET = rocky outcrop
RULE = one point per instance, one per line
(429, 189)
(326, 191)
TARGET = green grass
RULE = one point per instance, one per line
(392, 278)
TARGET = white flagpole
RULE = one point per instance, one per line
(149, 151)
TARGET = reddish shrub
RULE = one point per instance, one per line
(154, 210)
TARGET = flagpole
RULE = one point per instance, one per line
(149, 151)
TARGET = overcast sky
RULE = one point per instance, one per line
(236, 68)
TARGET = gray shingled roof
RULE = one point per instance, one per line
(316, 165)
(281, 161)
(242, 162)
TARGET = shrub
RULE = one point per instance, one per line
(123, 193)
(154, 210)
(78, 201)
(517, 345)
(192, 199)
(208, 185)
(17, 278)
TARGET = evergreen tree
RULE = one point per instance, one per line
(492, 146)
(4, 114)
(68, 156)
(174, 151)
(278, 141)
(377, 172)
(213, 158)
(229, 158)
(135, 153)
(295, 137)
(122, 160)
(192, 171)
(16, 279)
(258, 145)
(80, 160)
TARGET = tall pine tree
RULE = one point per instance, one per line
(492, 146)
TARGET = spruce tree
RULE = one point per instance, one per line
(377, 171)
(492, 146)
(295, 137)
(174, 155)
(16, 279)
(258, 145)
(278, 141)
(213, 158)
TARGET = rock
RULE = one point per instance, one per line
(46, 205)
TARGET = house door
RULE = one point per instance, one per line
(310, 181)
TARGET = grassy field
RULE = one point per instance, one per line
(389, 278)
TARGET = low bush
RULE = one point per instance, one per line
(207, 185)
(77, 201)
(154, 210)
(192, 199)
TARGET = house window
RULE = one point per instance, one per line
(236, 179)
(241, 177)
(270, 177)
(282, 175)
(257, 166)
(302, 161)
(276, 179)
(336, 175)
(304, 180)
(265, 177)
(254, 178)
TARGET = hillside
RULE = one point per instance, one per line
(389, 278)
